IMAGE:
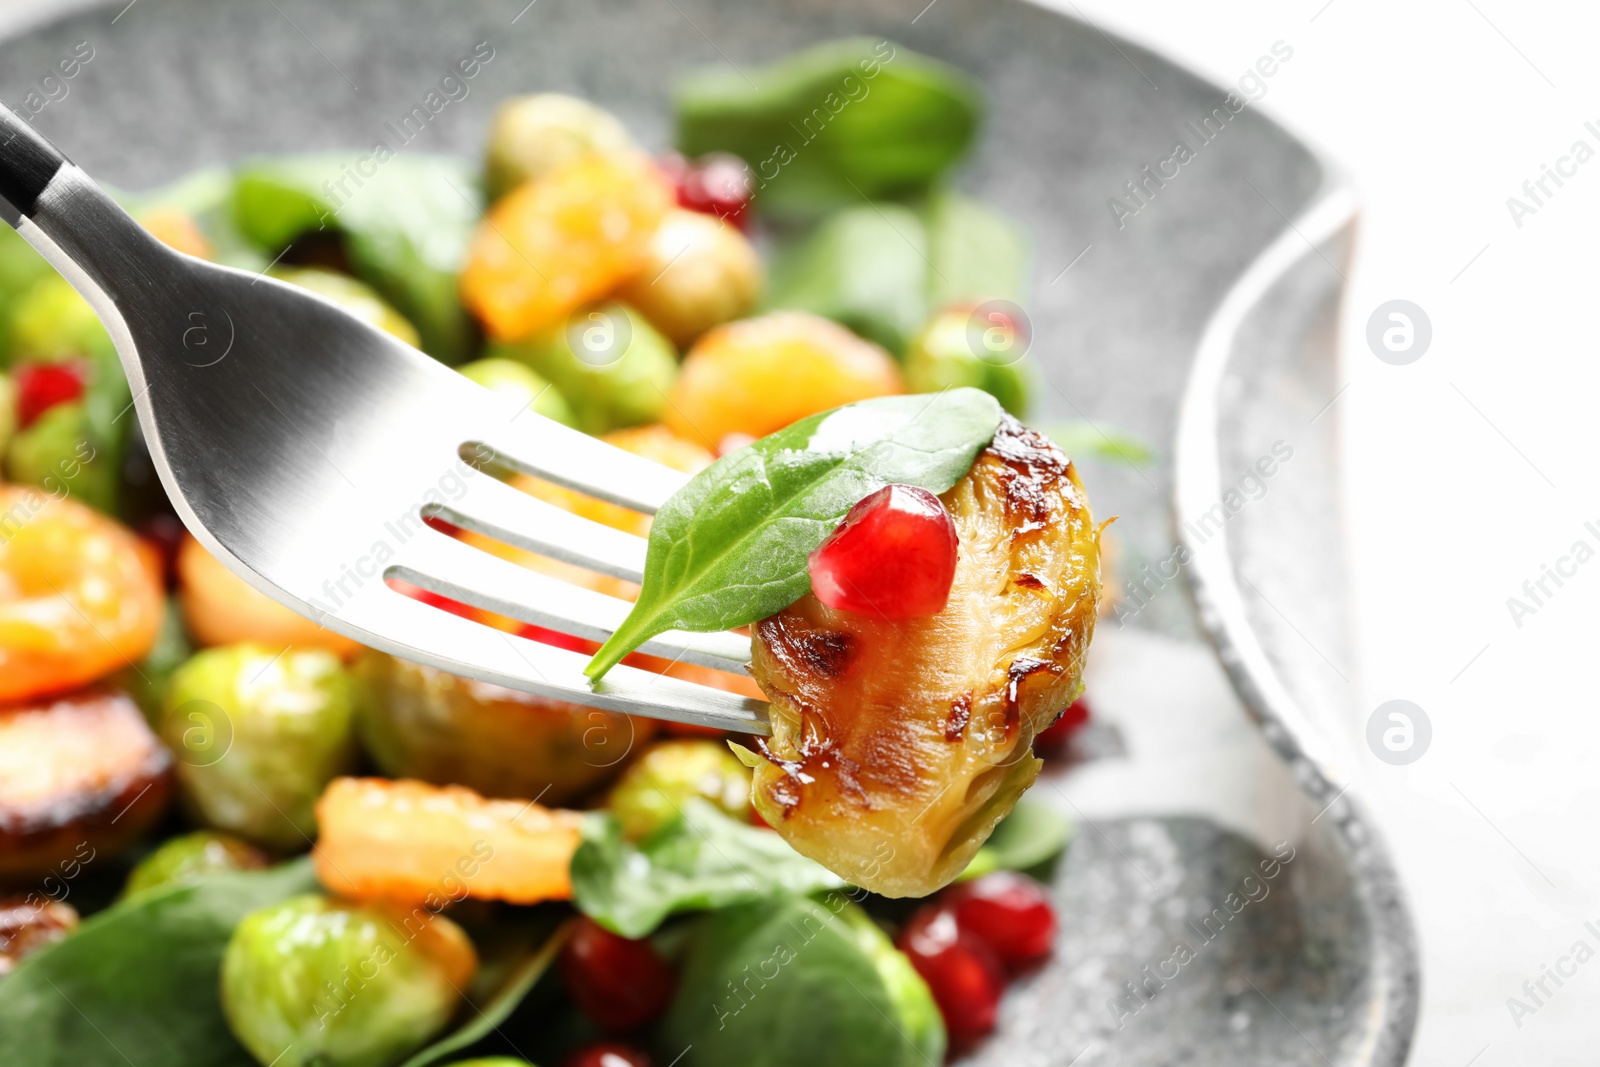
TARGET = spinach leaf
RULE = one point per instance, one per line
(406, 228)
(834, 124)
(1099, 441)
(138, 983)
(792, 982)
(865, 267)
(512, 959)
(704, 859)
(974, 253)
(730, 547)
(1030, 835)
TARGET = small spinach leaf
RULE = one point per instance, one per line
(138, 983)
(730, 547)
(1030, 835)
(701, 860)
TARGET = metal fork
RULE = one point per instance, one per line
(304, 448)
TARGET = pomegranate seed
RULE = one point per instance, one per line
(606, 1054)
(893, 556)
(1008, 912)
(965, 978)
(41, 386)
(716, 184)
(618, 983)
(1052, 740)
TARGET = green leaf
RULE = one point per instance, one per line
(730, 547)
(138, 983)
(834, 124)
(704, 859)
(792, 982)
(513, 957)
(865, 267)
(974, 253)
(1102, 442)
(1030, 835)
(406, 227)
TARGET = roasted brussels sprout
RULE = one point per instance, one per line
(897, 746)
(806, 982)
(312, 982)
(186, 858)
(28, 924)
(609, 363)
(80, 776)
(531, 136)
(58, 453)
(520, 385)
(419, 722)
(652, 791)
(52, 322)
(700, 273)
(963, 346)
(259, 732)
(358, 298)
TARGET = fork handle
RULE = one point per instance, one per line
(27, 163)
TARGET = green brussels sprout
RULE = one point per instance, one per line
(419, 722)
(183, 859)
(312, 982)
(610, 364)
(517, 382)
(805, 982)
(20, 267)
(960, 347)
(258, 733)
(61, 453)
(52, 322)
(652, 792)
(355, 297)
(532, 135)
(699, 272)
(491, 1061)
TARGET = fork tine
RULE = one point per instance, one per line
(415, 631)
(533, 444)
(505, 513)
(441, 564)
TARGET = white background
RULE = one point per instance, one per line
(1468, 471)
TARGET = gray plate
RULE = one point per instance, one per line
(1202, 322)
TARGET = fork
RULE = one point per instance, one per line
(305, 448)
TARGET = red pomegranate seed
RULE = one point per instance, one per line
(606, 1054)
(716, 184)
(965, 978)
(1008, 912)
(41, 386)
(1052, 740)
(893, 556)
(618, 983)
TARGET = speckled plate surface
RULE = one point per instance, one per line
(1197, 316)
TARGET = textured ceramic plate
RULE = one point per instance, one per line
(1187, 296)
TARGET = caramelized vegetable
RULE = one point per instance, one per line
(898, 745)
(80, 596)
(757, 376)
(221, 608)
(700, 272)
(28, 924)
(412, 842)
(419, 722)
(554, 244)
(654, 789)
(79, 776)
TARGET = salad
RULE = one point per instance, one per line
(229, 836)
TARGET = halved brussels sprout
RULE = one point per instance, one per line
(897, 746)
(419, 722)
(259, 732)
(653, 790)
(953, 350)
(700, 272)
(532, 135)
(312, 982)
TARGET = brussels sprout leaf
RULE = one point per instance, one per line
(1030, 835)
(730, 547)
(702, 860)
